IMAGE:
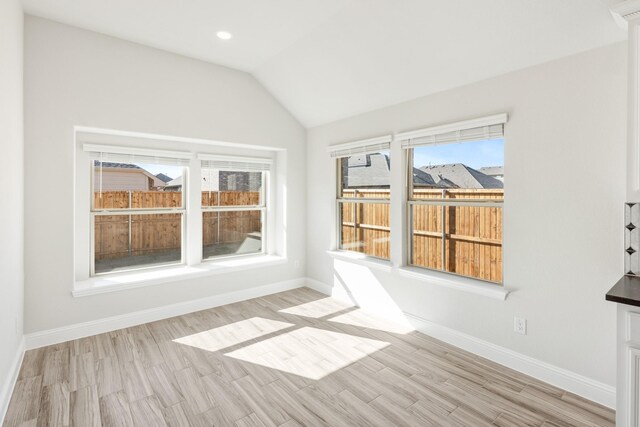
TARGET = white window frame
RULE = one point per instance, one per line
(465, 131)
(141, 145)
(346, 150)
(401, 182)
(262, 207)
(444, 203)
(95, 212)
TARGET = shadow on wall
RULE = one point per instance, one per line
(358, 285)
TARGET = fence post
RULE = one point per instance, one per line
(130, 206)
(444, 226)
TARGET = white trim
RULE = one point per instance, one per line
(7, 388)
(588, 388)
(317, 285)
(458, 283)
(567, 380)
(156, 276)
(496, 119)
(362, 259)
(134, 151)
(217, 157)
(99, 326)
(98, 135)
(386, 139)
(633, 359)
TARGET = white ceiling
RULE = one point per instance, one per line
(330, 59)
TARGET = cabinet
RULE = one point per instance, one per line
(628, 369)
(634, 383)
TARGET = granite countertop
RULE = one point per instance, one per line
(626, 291)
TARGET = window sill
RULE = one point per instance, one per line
(455, 282)
(137, 279)
(362, 259)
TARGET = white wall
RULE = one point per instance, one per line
(11, 214)
(80, 78)
(565, 188)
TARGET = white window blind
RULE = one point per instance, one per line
(228, 163)
(366, 146)
(118, 154)
(470, 130)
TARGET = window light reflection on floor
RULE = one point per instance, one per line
(308, 352)
(233, 334)
(318, 308)
(362, 319)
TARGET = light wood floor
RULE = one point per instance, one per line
(294, 358)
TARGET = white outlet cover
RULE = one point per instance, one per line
(520, 325)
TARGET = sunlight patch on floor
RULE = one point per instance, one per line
(362, 319)
(233, 334)
(308, 352)
(319, 308)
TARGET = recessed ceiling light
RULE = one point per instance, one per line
(224, 35)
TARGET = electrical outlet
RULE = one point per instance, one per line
(520, 325)
(296, 264)
(17, 325)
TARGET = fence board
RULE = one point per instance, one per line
(152, 234)
(473, 234)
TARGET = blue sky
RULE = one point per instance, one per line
(171, 171)
(475, 154)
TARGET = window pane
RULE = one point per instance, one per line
(231, 233)
(476, 165)
(136, 186)
(427, 236)
(365, 228)
(365, 175)
(473, 240)
(231, 188)
(124, 242)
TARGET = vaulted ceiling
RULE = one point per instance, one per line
(329, 59)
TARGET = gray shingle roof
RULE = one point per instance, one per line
(492, 170)
(175, 183)
(116, 165)
(461, 176)
(366, 170)
(372, 170)
(164, 178)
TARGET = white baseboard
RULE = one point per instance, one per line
(559, 377)
(567, 380)
(100, 326)
(318, 286)
(8, 386)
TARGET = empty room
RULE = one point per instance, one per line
(320, 213)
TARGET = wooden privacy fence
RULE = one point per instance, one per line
(118, 236)
(472, 234)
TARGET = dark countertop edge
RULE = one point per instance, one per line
(626, 291)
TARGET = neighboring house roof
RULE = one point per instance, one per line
(117, 165)
(492, 170)
(113, 165)
(174, 183)
(164, 178)
(461, 176)
(372, 170)
(367, 170)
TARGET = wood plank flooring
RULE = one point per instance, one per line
(296, 358)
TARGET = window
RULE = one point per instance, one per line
(455, 199)
(363, 214)
(234, 205)
(137, 211)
